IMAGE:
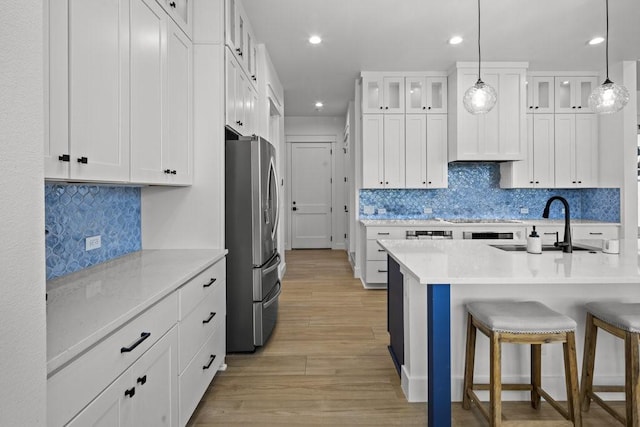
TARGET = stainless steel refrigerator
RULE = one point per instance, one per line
(251, 207)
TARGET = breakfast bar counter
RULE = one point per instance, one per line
(438, 277)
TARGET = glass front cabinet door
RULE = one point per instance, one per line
(572, 94)
(540, 95)
(426, 94)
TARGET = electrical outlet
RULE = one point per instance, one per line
(382, 211)
(524, 210)
(369, 210)
(427, 210)
(93, 242)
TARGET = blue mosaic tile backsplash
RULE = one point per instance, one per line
(474, 192)
(75, 212)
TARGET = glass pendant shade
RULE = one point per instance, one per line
(480, 98)
(608, 98)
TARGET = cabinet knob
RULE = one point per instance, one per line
(381, 182)
(167, 171)
(131, 392)
(537, 182)
(172, 4)
(530, 182)
(386, 108)
(381, 107)
(142, 380)
(579, 106)
(253, 77)
(429, 182)
(239, 51)
(579, 182)
(429, 108)
(573, 182)
(83, 160)
(573, 106)
(387, 182)
(64, 158)
(424, 108)
(424, 182)
(531, 107)
(174, 172)
(537, 107)
(238, 122)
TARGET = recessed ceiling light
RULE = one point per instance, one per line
(596, 40)
(455, 40)
(319, 104)
(315, 40)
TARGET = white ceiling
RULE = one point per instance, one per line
(411, 35)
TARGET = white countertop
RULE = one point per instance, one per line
(444, 222)
(475, 262)
(86, 306)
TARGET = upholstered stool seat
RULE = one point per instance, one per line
(526, 322)
(623, 321)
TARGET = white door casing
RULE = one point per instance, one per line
(310, 195)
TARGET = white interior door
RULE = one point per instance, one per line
(310, 195)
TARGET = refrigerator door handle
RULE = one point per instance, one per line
(273, 298)
(277, 203)
(272, 267)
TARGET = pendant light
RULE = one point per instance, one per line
(608, 98)
(479, 98)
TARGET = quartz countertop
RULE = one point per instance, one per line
(476, 262)
(494, 222)
(86, 306)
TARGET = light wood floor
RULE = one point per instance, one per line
(327, 362)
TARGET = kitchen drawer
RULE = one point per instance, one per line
(386, 233)
(377, 271)
(197, 289)
(196, 327)
(375, 251)
(594, 232)
(73, 387)
(196, 378)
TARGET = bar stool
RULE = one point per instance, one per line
(528, 322)
(623, 321)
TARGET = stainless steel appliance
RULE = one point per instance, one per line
(251, 226)
(428, 234)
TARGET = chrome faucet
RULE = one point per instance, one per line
(566, 241)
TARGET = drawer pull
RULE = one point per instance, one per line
(211, 282)
(383, 234)
(131, 392)
(142, 380)
(382, 271)
(595, 234)
(143, 336)
(381, 250)
(211, 359)
(211, 316)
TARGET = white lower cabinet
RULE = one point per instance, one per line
(144, 395)
(153, 370)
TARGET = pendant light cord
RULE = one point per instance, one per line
(607, 39)
(479, 57)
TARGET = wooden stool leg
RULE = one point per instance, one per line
(632, 384)
(469, 362)
(536, 374)
(588, 362)
(571, 375)
(495, 386)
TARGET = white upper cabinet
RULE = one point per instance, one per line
(383, 94)
(181, 11)
(572, 94)
(161, 90)
(241, 98)
(540, 95)
(383, 151)
(88, 87)
(499, 135)
(576, 150)
(538, 169)
(240, 38)
(426, 151)
(426, 95)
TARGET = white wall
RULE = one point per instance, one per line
(331, 127)
(22, 263)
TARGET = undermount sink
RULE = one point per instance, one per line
(523, 248)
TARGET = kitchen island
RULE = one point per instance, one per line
(439, 277)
